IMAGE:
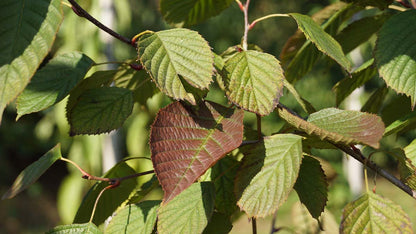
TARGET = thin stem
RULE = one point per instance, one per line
(359, 156)
(134, 175)
(267, 17)
(254, 225)
(366, 180)
(246, 24)
(110, 62)
(83, 13)
(259, 134)
(98, 198)
(272, 230)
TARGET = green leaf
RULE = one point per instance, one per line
(358, 78)
(184, 13)
(410, 151)
(306, 106)
(222, 175)
(139, 82)
(31, 173)
(382, 4)
(100, 110)
(110, 200)
(28, 29)
(175, 59)
(267, 174)
(53, 82)
(339, 126)
(144, 189)
(323, 41)
(372, 213)
(400, 124)
(311, 186)
(395, 54)
(186, 142)
(135, 218)
(360, 31)
(307, 55)
(375, 101)
(85, 228)
(219, 224)
(253, 81)
(406, 168)
(189, 212)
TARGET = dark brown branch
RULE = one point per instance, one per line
(356, 153)
(83, 13)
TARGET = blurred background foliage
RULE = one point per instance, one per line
(55, 198)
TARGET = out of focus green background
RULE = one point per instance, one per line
(54, 199)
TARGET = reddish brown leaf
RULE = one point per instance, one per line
(185, 142)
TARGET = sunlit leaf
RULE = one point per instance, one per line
(28, 29)
(189, 212)
(254, 81)
(110, 200)
(311, 186)
(395, 54)
(339, 126)
(401, 124)
(176, 59)
(31, 173)
(358, 78)
(183, 13)
(185, 142)
(323, 41)
(53, 82)
(372, 213)
(135, 218)
(100, 110)
(267, 174)
(85, 228)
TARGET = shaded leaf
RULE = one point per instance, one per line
(86, 228)
(372, 213)
(144, 189)
(308, 54)
(395, 54)
(100, 110)
(110, 199)
(139, 82)
(28, 30)
(253, 81)
(382, 4)
(311, 186)
(53, 82)
(375, 101)
(219, 224)
(296, 41)
(339, 126)
(267, 174)
(406, 168)
(222, 175)
(189, 212)
(175, 59)
(358, 78)
(186, 142)
(360, 31)
(183, 13)
(323, 41)
(401, 124)
(135, 218)
(306, 106)
(31, 173)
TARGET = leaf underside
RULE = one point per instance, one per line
(180, 62)
(186, 142)
(267, 174)
(372, 213)
(340, 126)
(27, 32)
(85, 228)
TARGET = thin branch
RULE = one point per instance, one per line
(83, 13)
(246, 24)
(134, 175)
(360, 157)
(254, 225)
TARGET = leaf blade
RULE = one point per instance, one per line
(185, 143)
(31, 173)
(87, 228)
(28, 32)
